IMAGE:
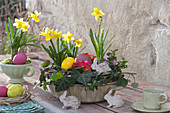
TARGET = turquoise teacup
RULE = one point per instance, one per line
(152, 98)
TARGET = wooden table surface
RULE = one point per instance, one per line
(53, 105)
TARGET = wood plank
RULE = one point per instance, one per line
(129, 95)
(47, 100)
(53, 105)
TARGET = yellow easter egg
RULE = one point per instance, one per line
(15, 91)
(67, 63)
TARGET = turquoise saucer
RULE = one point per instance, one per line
(139, 107)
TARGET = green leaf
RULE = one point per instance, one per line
(106, 34)
(123, 58)
(64, 83)
(42, 77)
(101, 51)
(114, 74)
(122, 81)
(93, 41)
(107, 49)
(58, 44)
(20, 39)
(134, 85)
(75, 73)
(110, 41)
(3, 42)
(54, 56)
(11, 26)
(30, 39)
(46, 63)
(35, 83)
(54, 49)
(99, 30)
(8, 34)
(47, 50)
(85, 77)
(32, 45)
(45, 87)
(56, 76)
(81, 50)
(28, 35)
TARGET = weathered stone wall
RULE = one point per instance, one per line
(141, 29)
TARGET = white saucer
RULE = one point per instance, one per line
(139, 107)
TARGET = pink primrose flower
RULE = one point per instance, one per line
(83, 64)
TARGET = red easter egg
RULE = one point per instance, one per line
(20, 58)
(83, 57)
(3, 91)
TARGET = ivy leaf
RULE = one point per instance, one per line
(42, 77)
(56, 76)
(45, 87)
(64, 83)
(114, 74)
(122, 81)
(46, 63)
(85, 77)
(35, 83)
(134, 85)
(75, 73)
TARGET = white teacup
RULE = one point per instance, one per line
(17, 72)
(152, 98)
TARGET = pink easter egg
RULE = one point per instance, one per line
(83, 57)
(19, 58)
(3, 91)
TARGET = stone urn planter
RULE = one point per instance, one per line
(85, 95)
(17, 72)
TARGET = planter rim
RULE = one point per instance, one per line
(80, 85)
(13, 65)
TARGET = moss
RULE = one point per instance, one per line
(9, 61)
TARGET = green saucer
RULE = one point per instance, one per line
(139, 107)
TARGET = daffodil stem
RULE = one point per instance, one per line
(28, 17)
(98, 53)
(76, 52)
(99, 30)
(58, 49)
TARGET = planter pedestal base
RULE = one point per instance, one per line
(85, 95)
(16, 80)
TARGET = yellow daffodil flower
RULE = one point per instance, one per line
(25, 26)
(18, 23)
(68, 37)
(56, 34)
(78, 42)
(35, 15)
(46, 34)
(97, 13)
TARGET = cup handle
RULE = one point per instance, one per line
(166, 98)
(30, 68)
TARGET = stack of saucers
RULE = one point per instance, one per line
(25, 107)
